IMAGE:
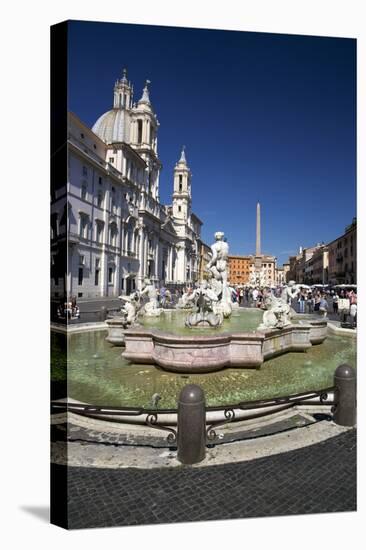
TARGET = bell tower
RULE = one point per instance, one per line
(182, 197)
(122, 93)
(144, 129)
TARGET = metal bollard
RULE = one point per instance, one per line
(103, 313)
(191, 425)
(345, 396)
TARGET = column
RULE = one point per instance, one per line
(156, 260)
(141, 257)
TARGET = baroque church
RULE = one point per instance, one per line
(118, 232)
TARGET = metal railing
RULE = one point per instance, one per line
(194, 430)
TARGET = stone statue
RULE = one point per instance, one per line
(289, 292)
(217, 267)
(129, 308)
(205, 299)
(183, 302)
(151, 308)
(258, 279)
(277, 314)
(218, 263)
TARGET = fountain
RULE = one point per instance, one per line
(241, 356)
(213, 349)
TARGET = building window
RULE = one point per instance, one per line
(54, 226)
(111, 160)
(110, 275)
(99, 231)
(85, 171)
(82, 136)
(83, 232)
(100, 181)
(113, 234)
(80, 276)
(179, 209)
(139, 131)
(96, 278)
(83, 191)
(100, 198)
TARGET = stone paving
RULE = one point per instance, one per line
(314, 479)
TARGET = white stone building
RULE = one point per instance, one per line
(118, 232)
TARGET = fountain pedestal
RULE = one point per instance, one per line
(116, 330)
(199, 354)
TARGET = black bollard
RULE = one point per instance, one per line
(345, 396)
(191, 425)
(103, 313)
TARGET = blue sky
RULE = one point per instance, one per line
(265, 117)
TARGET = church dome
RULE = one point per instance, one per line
(112, 126)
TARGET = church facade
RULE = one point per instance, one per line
(118, 232)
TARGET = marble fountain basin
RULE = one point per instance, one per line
(200, 353)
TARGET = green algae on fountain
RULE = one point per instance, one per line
(173, 322)
(97, 374)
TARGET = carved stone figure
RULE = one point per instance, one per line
(217, 267)
(277, 314)
(183, 302)
(218, 263)
(151, 308)
(289, 292)
(130, 306)
(257, 279)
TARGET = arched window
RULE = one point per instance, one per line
(113, 201)
(139, 131)
(99, 231)
(84, 189)
(100, 198)
(83, 225)
(129, 239)
(113, 234)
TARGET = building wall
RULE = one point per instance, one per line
(343, 257)
(333, 263)
(239, 269)
(118, 232)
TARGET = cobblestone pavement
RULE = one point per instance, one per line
(318, 478)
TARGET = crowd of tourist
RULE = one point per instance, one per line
(341, 302)
(308, 300)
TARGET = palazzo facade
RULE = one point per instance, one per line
(118, 232)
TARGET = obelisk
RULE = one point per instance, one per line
(258, 239)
